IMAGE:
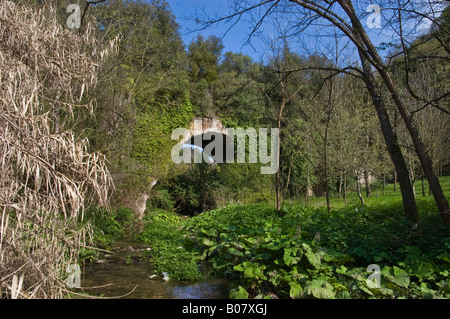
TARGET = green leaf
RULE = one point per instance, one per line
(313, 259)
(421, 269)
(387, 272)
(209, 232)
(296, 290)
(342, 270)
(396, 276)
(235, 252)
(208, 242)
(320, 288)
(239, 293)
(427, 292)
(292, 256)
(254, 271)
(251, 270)
(444, 257)
(239, 267)
(401, 277)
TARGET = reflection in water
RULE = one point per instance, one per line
(210, 289)
(117, 275)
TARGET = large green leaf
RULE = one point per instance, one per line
(320, 288)
(444, 257)
(313, 259)
(296, 290)
(401, 277)
(235, 252)
(427, 292)
(239, 293)
(251, 270)
(292, 255)
(421, 269)
(208, 242)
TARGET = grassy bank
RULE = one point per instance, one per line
(310, 253)
(306, 252)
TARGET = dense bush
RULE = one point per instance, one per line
(111, 225)
(196, 188)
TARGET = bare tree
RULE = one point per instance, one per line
(280, 68)
(341, 14)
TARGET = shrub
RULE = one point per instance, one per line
(111, 226)
(168, 254)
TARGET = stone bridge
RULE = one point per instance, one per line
(198, 127)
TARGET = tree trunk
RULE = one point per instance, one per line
(307, 186)
(325, 158)
(423, 186)
(409, 203)
(395, 180)
(425, 161)
(368, 52)
(278, 177)
(325, 143)
(278, 190)
(362, 41)
(367, 182)
(358, 189)
(344, 190)
(286, 187)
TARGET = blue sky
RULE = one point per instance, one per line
(234, 40)
(185, 12)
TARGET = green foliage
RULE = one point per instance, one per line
(168, 254)
(179, 263)
(203, 61)
(160, 199)
(195, 188)
(267, 254)
(152, 142)
(111, 226)
(144, 93)
(204, 55)
(239, 85)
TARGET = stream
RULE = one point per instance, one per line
(124, 274)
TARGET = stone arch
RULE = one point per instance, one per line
(200, 126)
(198, 133)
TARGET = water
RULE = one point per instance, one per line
(125, 274)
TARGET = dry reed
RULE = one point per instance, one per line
(47, 174)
